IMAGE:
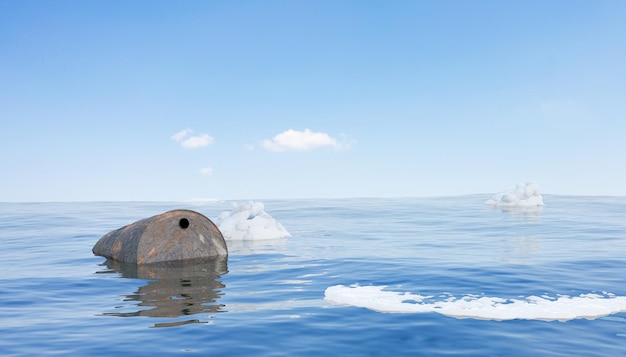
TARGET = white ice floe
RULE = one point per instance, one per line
(560, 308)
(523, 196)
(249, 221)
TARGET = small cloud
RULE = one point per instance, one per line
(178, 137)
(191, 142)
(206, 171)
(197, 141)
(303, 140)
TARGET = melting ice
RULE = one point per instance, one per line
(561, 308)
(523, 195)
(249, 221)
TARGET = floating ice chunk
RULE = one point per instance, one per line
(561, 308)
(523, 195)
(249, 221)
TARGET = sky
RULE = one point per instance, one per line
(242, 100)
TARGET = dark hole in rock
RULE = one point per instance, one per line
(183, 223)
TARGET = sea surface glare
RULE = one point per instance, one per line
(362, 277)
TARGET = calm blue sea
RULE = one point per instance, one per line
(268, 297)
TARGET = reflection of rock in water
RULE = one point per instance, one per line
(176, 288)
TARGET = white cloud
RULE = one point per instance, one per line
(207, 171)
(178, 137)
(302, 141)
(197, 141)
(191, 142)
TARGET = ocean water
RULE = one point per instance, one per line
(361, 277)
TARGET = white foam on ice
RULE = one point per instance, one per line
(249, 221)
(523, 195)
(561, 308)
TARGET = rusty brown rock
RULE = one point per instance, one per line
(172, 236)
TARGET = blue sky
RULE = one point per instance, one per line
(178, 100)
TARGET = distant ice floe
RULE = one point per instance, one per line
(248, 222)
(522, 196)
(561, 308)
